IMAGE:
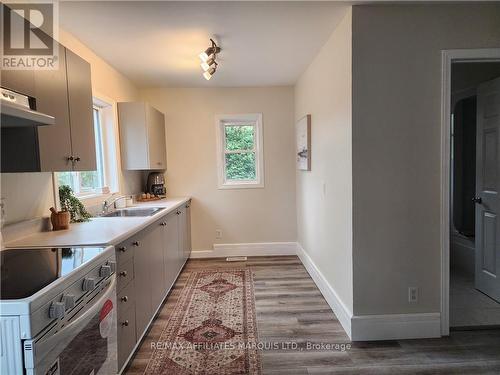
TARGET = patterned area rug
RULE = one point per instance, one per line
(213, 329)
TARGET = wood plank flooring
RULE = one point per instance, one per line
(290, 308)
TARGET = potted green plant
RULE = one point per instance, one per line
(72, 205)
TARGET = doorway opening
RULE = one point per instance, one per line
(474, 234)
(470, 244)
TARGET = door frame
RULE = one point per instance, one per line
(447, 58)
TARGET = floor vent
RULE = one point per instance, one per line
(236, 259)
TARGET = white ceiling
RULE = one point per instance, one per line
(157, 43)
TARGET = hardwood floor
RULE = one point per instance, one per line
(290, 308)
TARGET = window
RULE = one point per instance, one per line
(102, 180)
(240, 151)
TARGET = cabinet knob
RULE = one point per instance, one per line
(71, 158)
(125, 323)
(178, 212)
(135, 243)
(124, 298)
(163, 224)
(123, 273)
(77, 158)
(122, 249)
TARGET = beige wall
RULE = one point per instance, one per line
(396, 145)
(324, 195)
(29, 195)
(244, 215)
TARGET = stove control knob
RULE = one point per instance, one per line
(112, 266)
(69, 301)
(56, 310)
(105, 271)
(88, 284)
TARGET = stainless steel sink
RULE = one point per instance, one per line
(125, 212)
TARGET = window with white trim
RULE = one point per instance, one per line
(103, 179)
(240, 151)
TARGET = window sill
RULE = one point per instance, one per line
(93, 199)
(229, 186)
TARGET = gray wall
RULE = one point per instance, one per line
(396, 145)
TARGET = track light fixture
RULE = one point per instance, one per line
(208, 57)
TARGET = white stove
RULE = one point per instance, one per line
(58, 311)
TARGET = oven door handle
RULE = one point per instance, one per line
(46, 350)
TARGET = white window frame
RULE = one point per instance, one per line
(254, 119)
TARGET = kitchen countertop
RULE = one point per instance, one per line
(99, 230)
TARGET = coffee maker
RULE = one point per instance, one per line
(156, 184)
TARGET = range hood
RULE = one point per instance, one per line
(18, 110)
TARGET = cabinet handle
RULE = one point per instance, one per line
(163, 224)
(122, 249)
(70, 158)
(123, 273)
(125, 323)
(135, 243)
(124, 298)
(77, 158)
(178, 212)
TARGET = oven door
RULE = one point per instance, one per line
(85, 344)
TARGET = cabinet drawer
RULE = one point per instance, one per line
(126, 297)
(124, 252)
(126, 334)
(125, 274)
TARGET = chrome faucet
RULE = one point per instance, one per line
(107, 203)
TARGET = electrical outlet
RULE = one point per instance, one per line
(412, 294)
(218, 234)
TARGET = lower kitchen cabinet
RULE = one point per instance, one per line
(148, 264)
(156, 245)
(171, 264)
(142, 280)
(126, 333)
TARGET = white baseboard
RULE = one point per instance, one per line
(247, 249)
(395, 326)
(339, 308)
(358, 327)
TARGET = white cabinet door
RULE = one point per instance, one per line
(487, 273)
(181, 213)
(156, 138)
(142, 273)
(142, 136)
(171, 238)
(155, 247)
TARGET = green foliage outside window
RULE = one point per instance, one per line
(240, 165)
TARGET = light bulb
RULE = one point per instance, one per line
(207, 64)
(207, 75)
(204, 56)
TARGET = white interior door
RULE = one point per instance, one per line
(487, 276)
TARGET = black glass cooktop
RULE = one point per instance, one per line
(23, 272)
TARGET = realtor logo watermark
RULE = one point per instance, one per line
(29, 33)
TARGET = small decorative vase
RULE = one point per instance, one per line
(59, 219)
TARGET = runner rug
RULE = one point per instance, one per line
(212, 330)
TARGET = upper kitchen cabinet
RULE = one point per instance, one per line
(66, 94)
(81, 113)
(22, 81)
(51, 93)
(142, 136)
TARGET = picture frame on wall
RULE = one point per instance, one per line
(303, 141)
